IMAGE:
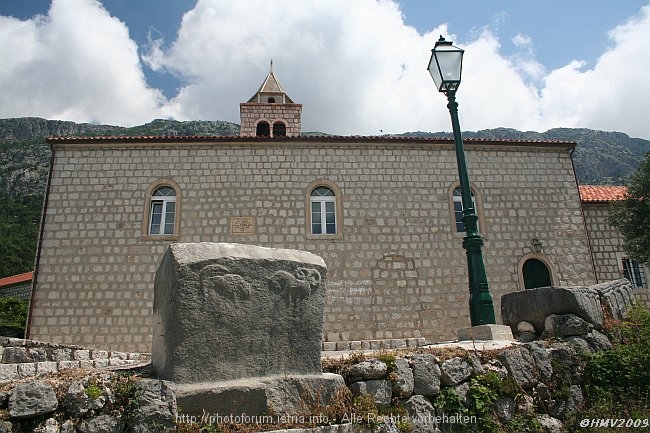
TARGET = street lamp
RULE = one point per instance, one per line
(445, 67)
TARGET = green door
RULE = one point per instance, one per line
(536, 274)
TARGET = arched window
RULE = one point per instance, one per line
(458, 210)
(271, 100)
(536, 274)
(279, 129)
(263, 129)
(162, 215)
(323, 211)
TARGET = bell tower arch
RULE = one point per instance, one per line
(270, 112)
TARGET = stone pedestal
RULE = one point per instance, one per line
(230, 311)
(485, 332)
(258, 395)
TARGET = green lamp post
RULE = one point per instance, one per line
(445, 67)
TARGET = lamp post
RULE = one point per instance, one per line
(445, 67)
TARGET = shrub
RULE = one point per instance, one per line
(618, 380)
(13, 316)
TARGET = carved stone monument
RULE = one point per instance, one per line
(230, 311)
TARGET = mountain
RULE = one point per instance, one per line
(24, 155)
(600, 158)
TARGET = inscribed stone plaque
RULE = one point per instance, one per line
(242, 225)
(229, 311)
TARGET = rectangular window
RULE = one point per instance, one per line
(156, 217)
(633, 272)
(458, 215)
(330, 218)
(315, 218)
(170, 212)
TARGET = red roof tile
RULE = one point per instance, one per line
(601, 194)
(15, 279)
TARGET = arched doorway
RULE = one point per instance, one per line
(536, 274)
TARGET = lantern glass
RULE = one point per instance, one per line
(445, 65)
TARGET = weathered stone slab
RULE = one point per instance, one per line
(258, 396)
(616, 296)
(534, 305)
(228, 311)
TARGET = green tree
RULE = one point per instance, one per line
(19, 220)
(631, 216)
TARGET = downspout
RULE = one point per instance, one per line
(584, 221)
(41, 231)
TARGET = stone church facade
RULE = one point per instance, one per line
(381, 211)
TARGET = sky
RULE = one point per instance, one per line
(359, 67)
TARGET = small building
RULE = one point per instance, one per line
(606, 243)
(384, 213)
(17, 286)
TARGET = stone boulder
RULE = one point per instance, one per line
(426, 375)
(99, 424)
(379, 390)
(598, 341)
(367, 370)
(227, 311)
(454, 370)
(535, 305)
(520, 365)
(403, 383)
(422, 414)
(550, 424)
(156, 406)
(565, 325)
(31, 399)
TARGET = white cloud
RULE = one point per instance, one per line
(614, 94)
(77, 63)
(352, 65)
(356, 67)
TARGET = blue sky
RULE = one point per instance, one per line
(357, 67)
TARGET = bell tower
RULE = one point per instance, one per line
(270, 112)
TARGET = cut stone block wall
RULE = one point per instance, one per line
(397, 271)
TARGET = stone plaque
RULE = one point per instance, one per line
(242, 225)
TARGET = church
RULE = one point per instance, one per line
(383, 212)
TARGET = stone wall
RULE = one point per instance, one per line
(396, 271)
(20, 359)
(21, 291)
(607, 247)
(251, 112)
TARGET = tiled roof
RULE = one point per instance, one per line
(601, 194)
(352, 139)
(15, 279)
